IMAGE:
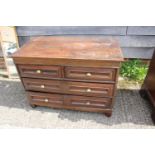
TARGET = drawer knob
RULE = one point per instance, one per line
(42, 86)
(87, 103)
(38, 71)
(88, 90)
(46, 100)
(88, 74)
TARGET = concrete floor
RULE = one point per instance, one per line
(130, 110)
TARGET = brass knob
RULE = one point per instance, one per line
(42, 86)
(88, 90)
(88, 74)
(87, 103)
(46, 100)
(38, 71)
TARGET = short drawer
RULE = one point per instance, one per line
(45, 99)
(39, 71)
(42, 85)
(86, 73)
(89, 89)
(92, 102)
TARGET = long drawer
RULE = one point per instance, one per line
(67, 87)
(57, 100)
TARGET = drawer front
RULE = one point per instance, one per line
(38, 71)
(42, 85)
(45, 99)
(99, 74)
(89, 89)
(92, 102)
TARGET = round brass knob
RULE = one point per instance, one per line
(87, 103)
(38, 71)
(88, 90)
(88, 74)
(46, 100)
(42, 86)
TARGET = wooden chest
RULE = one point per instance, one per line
(71, 72)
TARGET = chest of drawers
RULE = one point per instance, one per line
(70, 72)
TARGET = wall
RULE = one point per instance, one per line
(136, 42)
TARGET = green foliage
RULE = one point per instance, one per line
(134, 70)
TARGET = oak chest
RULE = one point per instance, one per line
(70, 72)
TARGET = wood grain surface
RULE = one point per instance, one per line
(79, 48)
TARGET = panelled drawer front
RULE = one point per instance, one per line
(38, 71)
(89, 89)
(42, 85)
(91, 102)
(86, 73)
(45, 99)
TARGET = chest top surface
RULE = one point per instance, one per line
(71, 47)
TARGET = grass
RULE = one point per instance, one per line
(134, 70)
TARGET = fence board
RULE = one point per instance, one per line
(125, 41)
(141, 30)
(62, 30)
(141, 53)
